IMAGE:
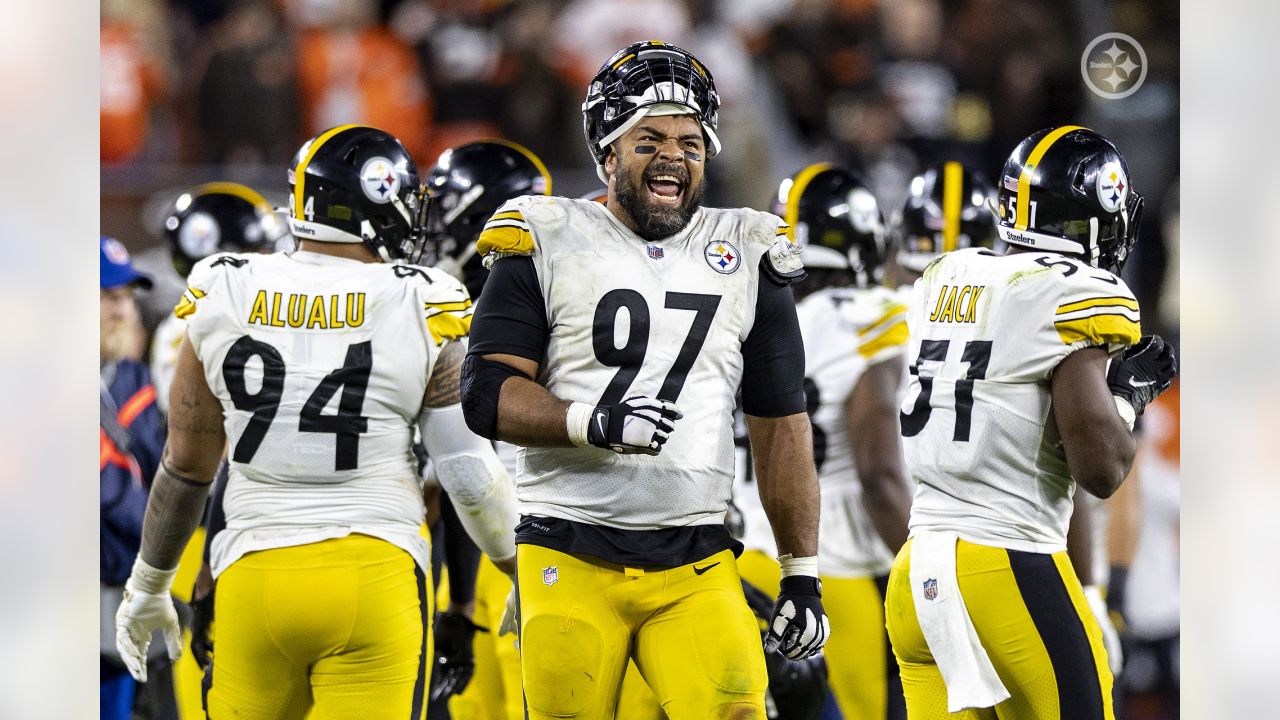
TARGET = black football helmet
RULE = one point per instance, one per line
(639, 76)
(1067, 190)
(357, 184)
(947, 209)
(836, 221)
(221, 217)
(466, 185)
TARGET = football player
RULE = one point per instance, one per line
(947, 208)
(609, 342)
(210, 218)
(1027, 372)
(314, 367)
(467, 184)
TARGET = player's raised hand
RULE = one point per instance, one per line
(636, 425)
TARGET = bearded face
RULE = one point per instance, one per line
(657, 174)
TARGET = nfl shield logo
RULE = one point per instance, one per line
(930, 589)
(550, 575)
(655, 252)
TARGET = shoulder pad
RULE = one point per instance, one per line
(1096, 308)
(506, 233)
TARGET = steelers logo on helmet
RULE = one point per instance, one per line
(1113, 186)
(722, 257)
(199, 234)
(379, 180)
(864, 211)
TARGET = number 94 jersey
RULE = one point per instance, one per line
(320, 364)
(987, 332)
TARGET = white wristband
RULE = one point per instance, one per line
(1126, 411)
(807, 566)
(576, 422)
(150, 580)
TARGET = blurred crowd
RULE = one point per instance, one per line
(226, 89)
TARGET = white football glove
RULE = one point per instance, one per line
(146, 607)
(636, 425)
(1110, 638)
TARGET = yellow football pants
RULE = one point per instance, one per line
(336, 624)
(1034, 622)
(689, 630)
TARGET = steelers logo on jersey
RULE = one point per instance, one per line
(379, 180)
(1113, 186)
(723, 257)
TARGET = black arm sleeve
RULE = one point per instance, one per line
(773, 356)
(511, 315)
(461, 555)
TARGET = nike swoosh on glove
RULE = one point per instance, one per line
(1142, 372)
(636, 425)
(141, 614)
(799, 627)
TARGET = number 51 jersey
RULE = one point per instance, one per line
(987, 332)
(320, 364)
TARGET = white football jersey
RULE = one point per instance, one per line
(164, 356)
(987, 332)
(846, 330)
(320, 364)
(628, 317)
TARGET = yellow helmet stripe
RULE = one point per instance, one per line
(798, 185)
(300, 172)
(537, 162)
(1029, 169)
(243, 192)
(952, 185)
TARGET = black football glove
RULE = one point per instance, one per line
(201, 621)
(455, 656)
(636, 425)
(1142, 372)
(799, 627)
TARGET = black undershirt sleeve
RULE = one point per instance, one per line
(773, 356)
(511, 316)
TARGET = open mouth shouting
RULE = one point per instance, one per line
(666, 188)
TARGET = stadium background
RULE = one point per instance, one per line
(201, 90)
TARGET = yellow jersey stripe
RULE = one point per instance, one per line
(509, 215)
(1101, 329)
(896, 335)
(895, 311)
(1029, 170)
(537, 162)
(453, 306)
(248, 194)
(782, 230)
(447, 326)
(803, 178)
(952, 185)
(510, 240)
(1112, 301)
(300, 172)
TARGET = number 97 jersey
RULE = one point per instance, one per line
(320, 364)
(987, 332)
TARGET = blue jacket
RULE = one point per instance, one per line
(126, 472)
